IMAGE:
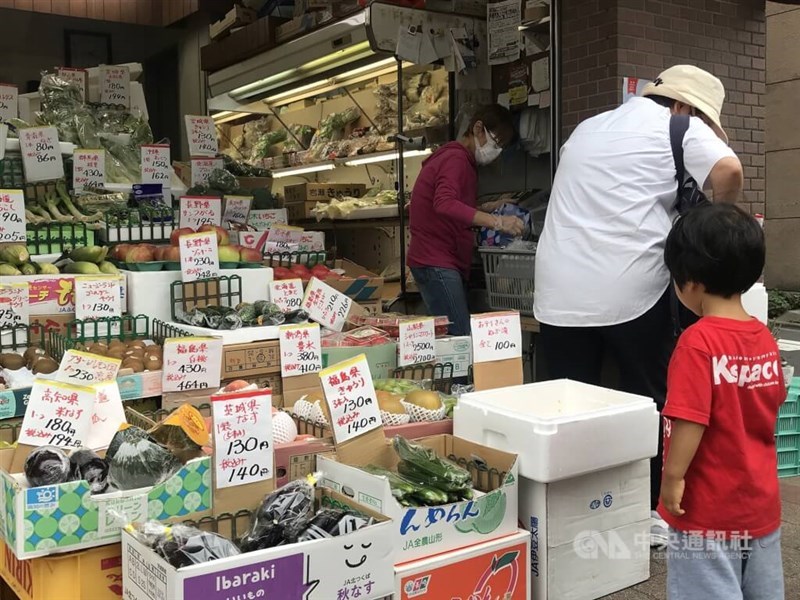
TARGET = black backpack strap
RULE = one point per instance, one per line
(678, 126)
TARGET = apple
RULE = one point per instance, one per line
(300, 271)
(177, 233)
(140, 253)
(159, 252)
(119, 251)
(250, 255)
(223, 239)
(320, 271)
(171, 254)
(281, 273)
(228, 254)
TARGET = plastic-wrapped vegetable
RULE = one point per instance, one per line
(136, 460)
(283, 507)
(222, 180)
(47, 465)
(331, 522)
(87, 465)
(437, 471)
(182, 545)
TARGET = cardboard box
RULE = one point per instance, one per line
(55, 294)
(313, 570)
(410, 431)
(322, 192)
(14, 402)
(237, 16)
(240, 361)
(472, 8)
(241, 44)
(302, 24)
(382, 359)
(423, 532)
(497, 569)
(297, 211)
(140, 385)
(456, 350)
(358, 283)
(297, 459)
(602, 506)
(255, 183)
(535, 10)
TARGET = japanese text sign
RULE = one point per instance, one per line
(243, 446)
(115, 85)
(261, 220)
(108, 415)
(9, 95)
(78, 77)
(192, 363)
(14, 304)
(155, 164)
(286, 294)
(351, 398)
(84, 368)
(58, 414)
(200, 210)
(301, 349)
(282, 238)
(417, 342)
(496, 336)
(202, 168)
(325, 305)
(12, 216)
(96, 298)
(88, 169)
(41, 154)
(236, 209)
(202, 136)
(199, 256)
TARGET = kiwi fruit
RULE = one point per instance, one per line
(116, 344)
(154, 350)
(11, 361)
(134, 352)
(152, 363)
(44, 365)
(97, 349)
(136, 344)
(136, 365)
(118, 353)
(32, 353)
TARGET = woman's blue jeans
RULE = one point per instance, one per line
(444, 292)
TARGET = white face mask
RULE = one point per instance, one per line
(488, 152)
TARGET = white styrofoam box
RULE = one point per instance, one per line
(562, 428)
(456, 350)
(148, 292)
(244, 335)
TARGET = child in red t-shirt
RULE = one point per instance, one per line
(719, 487)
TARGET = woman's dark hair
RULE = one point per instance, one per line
(717, 245)
(496, 119)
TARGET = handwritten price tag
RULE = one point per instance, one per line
(236, 209)
(41, 154)
(282, 238)
(155, 164)
(12, 216)
(253, 239)
(9, 95)
(97, 298)
(301, 349)
(79, 77)
(83, 368)
(108, 415)
(351, 398)
(199, 256)
(202, 168)
(261, 220)
(200, 210)
(243, 446)
(115, 85)
(14, 304)
(58, 414)
(417, 342)
(496, 336)
(88, 169)
(202, 135)
(325, 305)
(192, 363)
(287, 294)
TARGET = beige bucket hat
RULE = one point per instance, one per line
(695, 87)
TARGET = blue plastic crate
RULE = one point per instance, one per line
(787, 441)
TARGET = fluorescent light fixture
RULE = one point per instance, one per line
(384, 157)
(303, 170)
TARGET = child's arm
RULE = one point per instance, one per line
(684, 440)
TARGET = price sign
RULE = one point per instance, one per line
(243, 446)
(155, 164)
(192, 363)
(77, 76)
(325, 305)
(12, 216)
(88, 169)
(96, 298)
(287, 294)
(236, 209)
(115, 85)
(496, 336)
(351, 398)
(253, 239)
(261, 220)
(107, 417)
(282, 238)
(14, 305)
(199, 256)
(9, 95)
(41, 154)
(202, 135)
(200, 210)
(58, 414)
(301, 349)
(202, 168)
(83, 368)
(417, 342)
(3, 139)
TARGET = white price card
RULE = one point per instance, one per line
(301, 349)
(236, 209)
(496, 336)
(88, 169)
(325, 305)
(263, 219)
(3, 139)
(108, 416)
(58, 414)
(97, 297)
(286, 294)
(84, 368)
(115, 85)
(9, 96)
(200, 210)
(14, 305)
(199, 256)
(202, 168)
(12, 216)
(192, 363)
(202, 135)
(41, 154)
(351, 398)
(283, 238)
(155, 164)
(79, 77)
(417, 342)
(243, 445)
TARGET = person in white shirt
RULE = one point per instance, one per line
(602, 286)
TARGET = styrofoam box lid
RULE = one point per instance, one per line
(244, 335)
(558, 401)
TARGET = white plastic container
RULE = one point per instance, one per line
(756, 302)
(560, 429)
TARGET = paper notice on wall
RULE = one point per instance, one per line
(463, 50)
(502, 23)
(632, 87)
(409, 43)
(540, 74)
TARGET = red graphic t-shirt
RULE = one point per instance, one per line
(726, 375)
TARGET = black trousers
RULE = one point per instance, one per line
(641, 350)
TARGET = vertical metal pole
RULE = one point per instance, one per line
(401, 175)
(555, 85)
(451, 109)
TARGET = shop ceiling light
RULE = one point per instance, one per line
(303, 170)
(384, 157)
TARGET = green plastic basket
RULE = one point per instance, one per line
(787, 441)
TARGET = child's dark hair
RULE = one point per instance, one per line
(717, 245)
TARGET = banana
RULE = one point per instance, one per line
(28, 269)
(92, 254)
(47, 269)
(6, 269)
(82, 267)
(14, 254)
(108, 268)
